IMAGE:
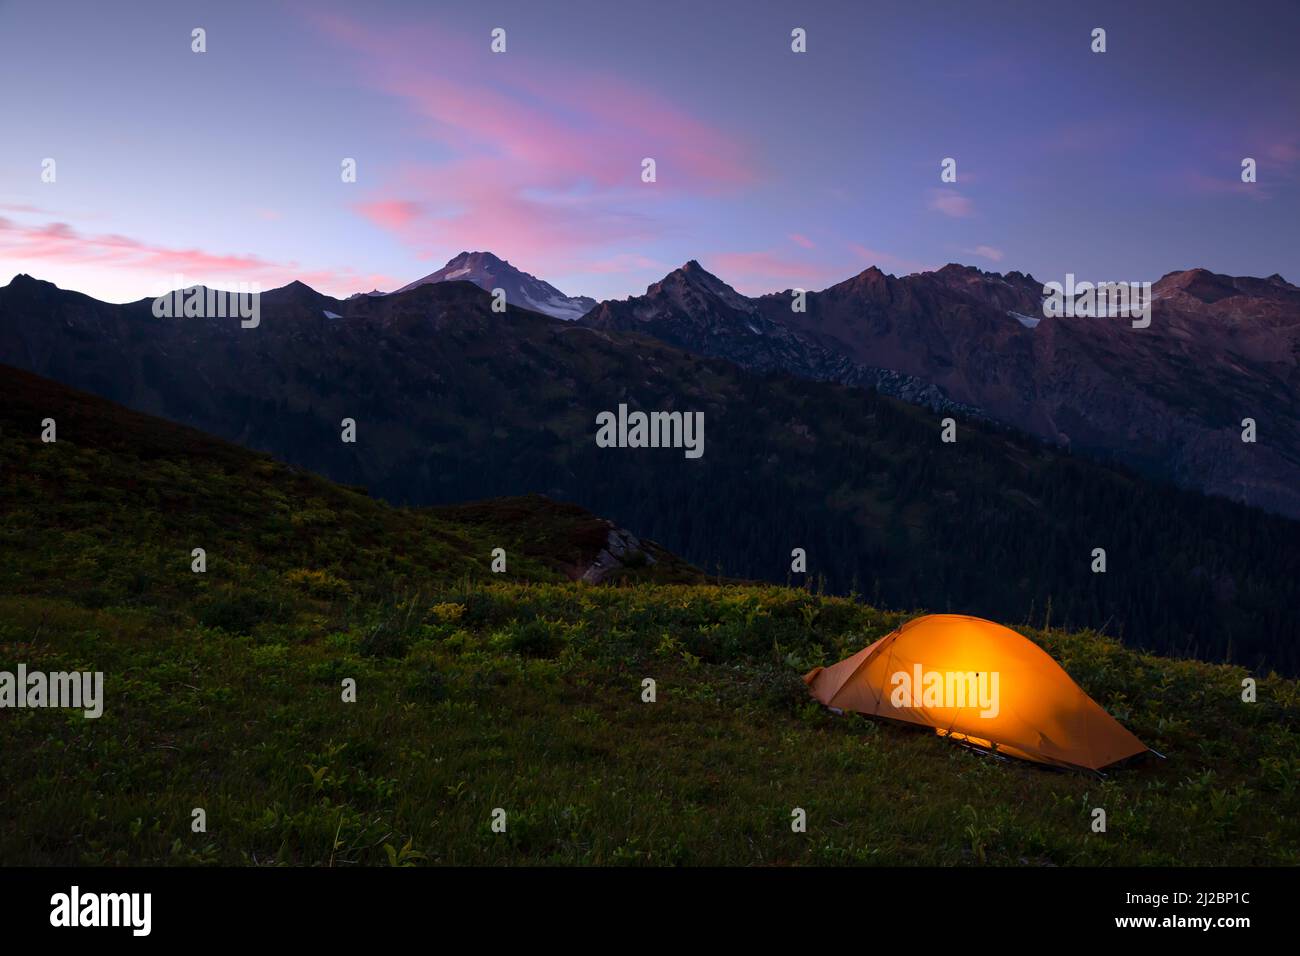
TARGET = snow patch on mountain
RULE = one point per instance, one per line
(523, 290)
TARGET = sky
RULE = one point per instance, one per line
(774, 169)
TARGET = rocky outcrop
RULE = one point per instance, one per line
(623, 550)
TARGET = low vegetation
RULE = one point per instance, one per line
(521, 691)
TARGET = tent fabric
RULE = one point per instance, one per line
(1029, 708)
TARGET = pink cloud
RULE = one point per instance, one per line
(481, 204)
(801, 240)
(1227, 185)
(30, 209)
(60, 244)
(394, 214)
(992, 253)
(1277, 158)
(1274, 147)
(1285, 153)
(564, 121)
(537, 161)
(950, 203)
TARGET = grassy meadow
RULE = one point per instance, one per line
(520, 691)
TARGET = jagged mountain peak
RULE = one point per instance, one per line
(693, 279)
(23, 281)
(296, 287)
(1181, 278)
(957, 268)
(872, 273)
(297, 291)
(476, 258)
(1209, 287)
(489, 271)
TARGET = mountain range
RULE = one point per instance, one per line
(1169, 400)
(695, 310)
(453, 402)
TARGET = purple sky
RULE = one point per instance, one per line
(775, 169)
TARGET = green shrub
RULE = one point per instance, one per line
(537, 637)
(237, 612)
(426, 683)
(319, 584)
(392, 632)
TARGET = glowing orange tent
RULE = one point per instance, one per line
(981, 683)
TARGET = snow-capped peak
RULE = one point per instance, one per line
(522, 290)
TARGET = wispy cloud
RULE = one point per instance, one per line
(1277, 157)
(1284, 152)
(539, 161)
(992, 253)
(396, 214)
(1202, 184)
(950, 203)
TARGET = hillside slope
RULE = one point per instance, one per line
(130, 496)
(222, 692)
